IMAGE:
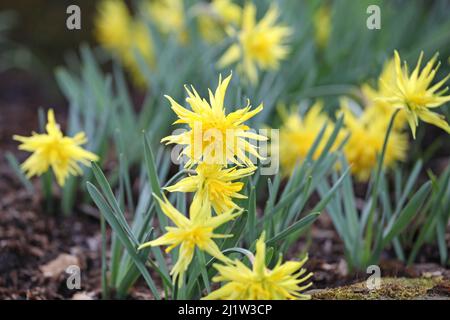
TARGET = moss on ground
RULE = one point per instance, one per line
(391, 288)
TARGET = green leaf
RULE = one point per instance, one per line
(297, 227)
(112, 202)
(15, 166)
(122, 234)
(154, 180)
(252, 215)
(395, 226)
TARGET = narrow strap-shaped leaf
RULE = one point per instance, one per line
(395, 227)
(153, 178)
(296, 227)
(116, 226)
(15, 166)
(107, 191)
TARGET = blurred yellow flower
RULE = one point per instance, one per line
(366, 143)
(283, 282)
(141, 43)
(214, 137)
(197, 231)
(53, 149)
(169, 17)
(260, 44)
(119, 33)
(322, 26)
(215, 183)
(297, 136)
(113, 25)
(412, 93)
(215, 17)
(375, 106)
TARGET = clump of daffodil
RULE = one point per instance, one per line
(213, 136)
(169, 17)
(366, 143)
(54, 150)
(414, 94)
(216, 183)
(260, 44)
(197, 231)
(118, 32)
(297, 136)
(322, 26)
(375, 106)
(215, 17)
(283, 282)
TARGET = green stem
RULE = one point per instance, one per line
(105, 291)
(374, 193)
(46, 181)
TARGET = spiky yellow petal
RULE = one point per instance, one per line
(54, 150)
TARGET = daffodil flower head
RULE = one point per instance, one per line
(215, 17)
(118, 32)
(414, 94)
(213, 136)
(260, 44)
(189, 233)
(375, 105)
(283, 282)
(169, 17)
(215, 183)
(298, 134)
(113, 25)
(53, 149)
(366, 143)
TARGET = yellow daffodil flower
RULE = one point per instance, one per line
(53, 149)
(260, 44)
(119, 33)
(169, 17)
(197, 231)
(261, 283)
(215, 17)
(297, 136)
(214, 137)
(413, 94)
(113, 25)
(215, 183)
(366, 143)
(375, 106)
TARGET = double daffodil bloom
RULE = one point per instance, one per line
(260, 44)
(216, 183)
(298, 134)
(261, 283)
(53, 149)
(118, 32)
(375, 106)
(414, 93)
(366, 143)
(197, 231)
(215, 17)
(213, 136)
